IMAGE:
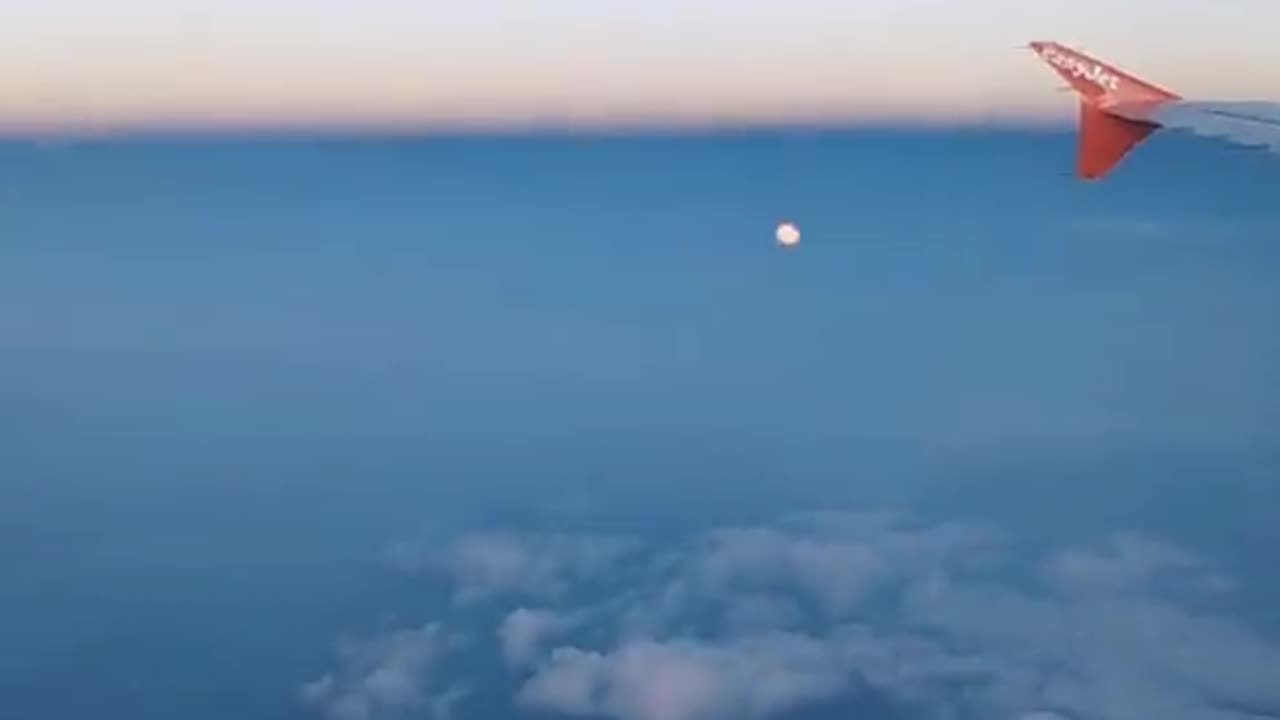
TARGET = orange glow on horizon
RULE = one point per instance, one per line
(389, 65)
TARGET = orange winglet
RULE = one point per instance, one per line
(1105, 139)
(1105, 93)
(1097, 82)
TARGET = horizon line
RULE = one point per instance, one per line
(303, 130)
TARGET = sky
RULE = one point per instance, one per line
(547, 426)
(103, 65)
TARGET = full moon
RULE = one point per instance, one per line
(788, 234)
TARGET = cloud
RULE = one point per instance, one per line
(1133, 561)
(1114, 652)
(523, 632)
(750, 613)
(837, 574)
(752, 677)
(835, 559)
(906, 547)
(384, 676)
(939, 620)
(486, 564)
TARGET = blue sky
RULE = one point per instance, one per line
(389, 63)
(527, 428)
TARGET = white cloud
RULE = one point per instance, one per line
(523, 632)
(753, 613)
(535, 565)
(1132, 562)
(906, 547)
(941, 619)
(383, 676)
(1118, 654)
(835, 573)
(752, 677)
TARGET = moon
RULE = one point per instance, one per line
(788, 234)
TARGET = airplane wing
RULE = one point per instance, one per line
(1252, 124)
(1118, 111)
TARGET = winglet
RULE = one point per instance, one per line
(1097, 82)
(1110, 102)
(1105, 140)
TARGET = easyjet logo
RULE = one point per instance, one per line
(1078, 67)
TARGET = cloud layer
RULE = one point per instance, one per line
(385, 676)
(830, 610)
